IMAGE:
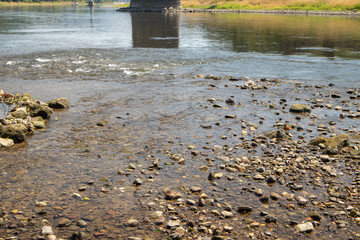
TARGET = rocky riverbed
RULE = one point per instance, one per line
(206, 157)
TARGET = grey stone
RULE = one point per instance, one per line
(6, 142)
(300, 108)
(46, 230)
(173, 224)
(138, 181)
(64, 222)
(305, 227)
(171, 194)
(132, 223)
(59, 103)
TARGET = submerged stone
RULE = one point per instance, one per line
(336, 142)
(59, 103)
(300, 108)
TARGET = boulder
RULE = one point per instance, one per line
(19, 113)
(16, 132)
(39, 124)
(300, 108)
(59, 103)
(37, 109)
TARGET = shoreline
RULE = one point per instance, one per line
(284, 12)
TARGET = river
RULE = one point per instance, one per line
(142, 72)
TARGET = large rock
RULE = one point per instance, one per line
(38, 122)
(336, 142)
(300, 108)
(16, 132)
(20, 113)
(59, 103)
(37, 109)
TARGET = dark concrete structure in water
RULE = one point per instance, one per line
(143, 4)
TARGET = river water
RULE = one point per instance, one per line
(138, 71)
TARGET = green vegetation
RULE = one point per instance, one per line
(7, 2)
(122, 5)
(312, 5)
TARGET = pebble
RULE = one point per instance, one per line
(259, 177)
(227, 214)
(157, 214)
(6, 142)
(173, 224)
(159, 221)
(171, 194)
(271, 179)
(244, 209)
(254, 225)
(305, 227)
(315, 215)
(301, 200)
(275, 196)
(190, 202)
(138, 182)
(195, 189)
(132, 222)
(81, 223)
(46, 230)
(64, 222)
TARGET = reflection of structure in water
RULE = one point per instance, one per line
(155, 3)
(155, 30)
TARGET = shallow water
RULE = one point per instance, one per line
(136, 70)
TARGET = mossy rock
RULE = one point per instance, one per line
(39, 124)
(336, 142)
(37, 109)
(16, 132)
(300, 108)
(19, 113)
(59, 103)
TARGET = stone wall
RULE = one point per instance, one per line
(155, 3)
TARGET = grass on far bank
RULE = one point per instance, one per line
(34, 3)
(122, 5)
(314, 5)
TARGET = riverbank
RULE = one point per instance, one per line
(207, 10)
(286, 12)
(310, 5)
(15, 4)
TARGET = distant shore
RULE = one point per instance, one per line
(125, 8)
(205, 10)
(289, 12)
(11, 4)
